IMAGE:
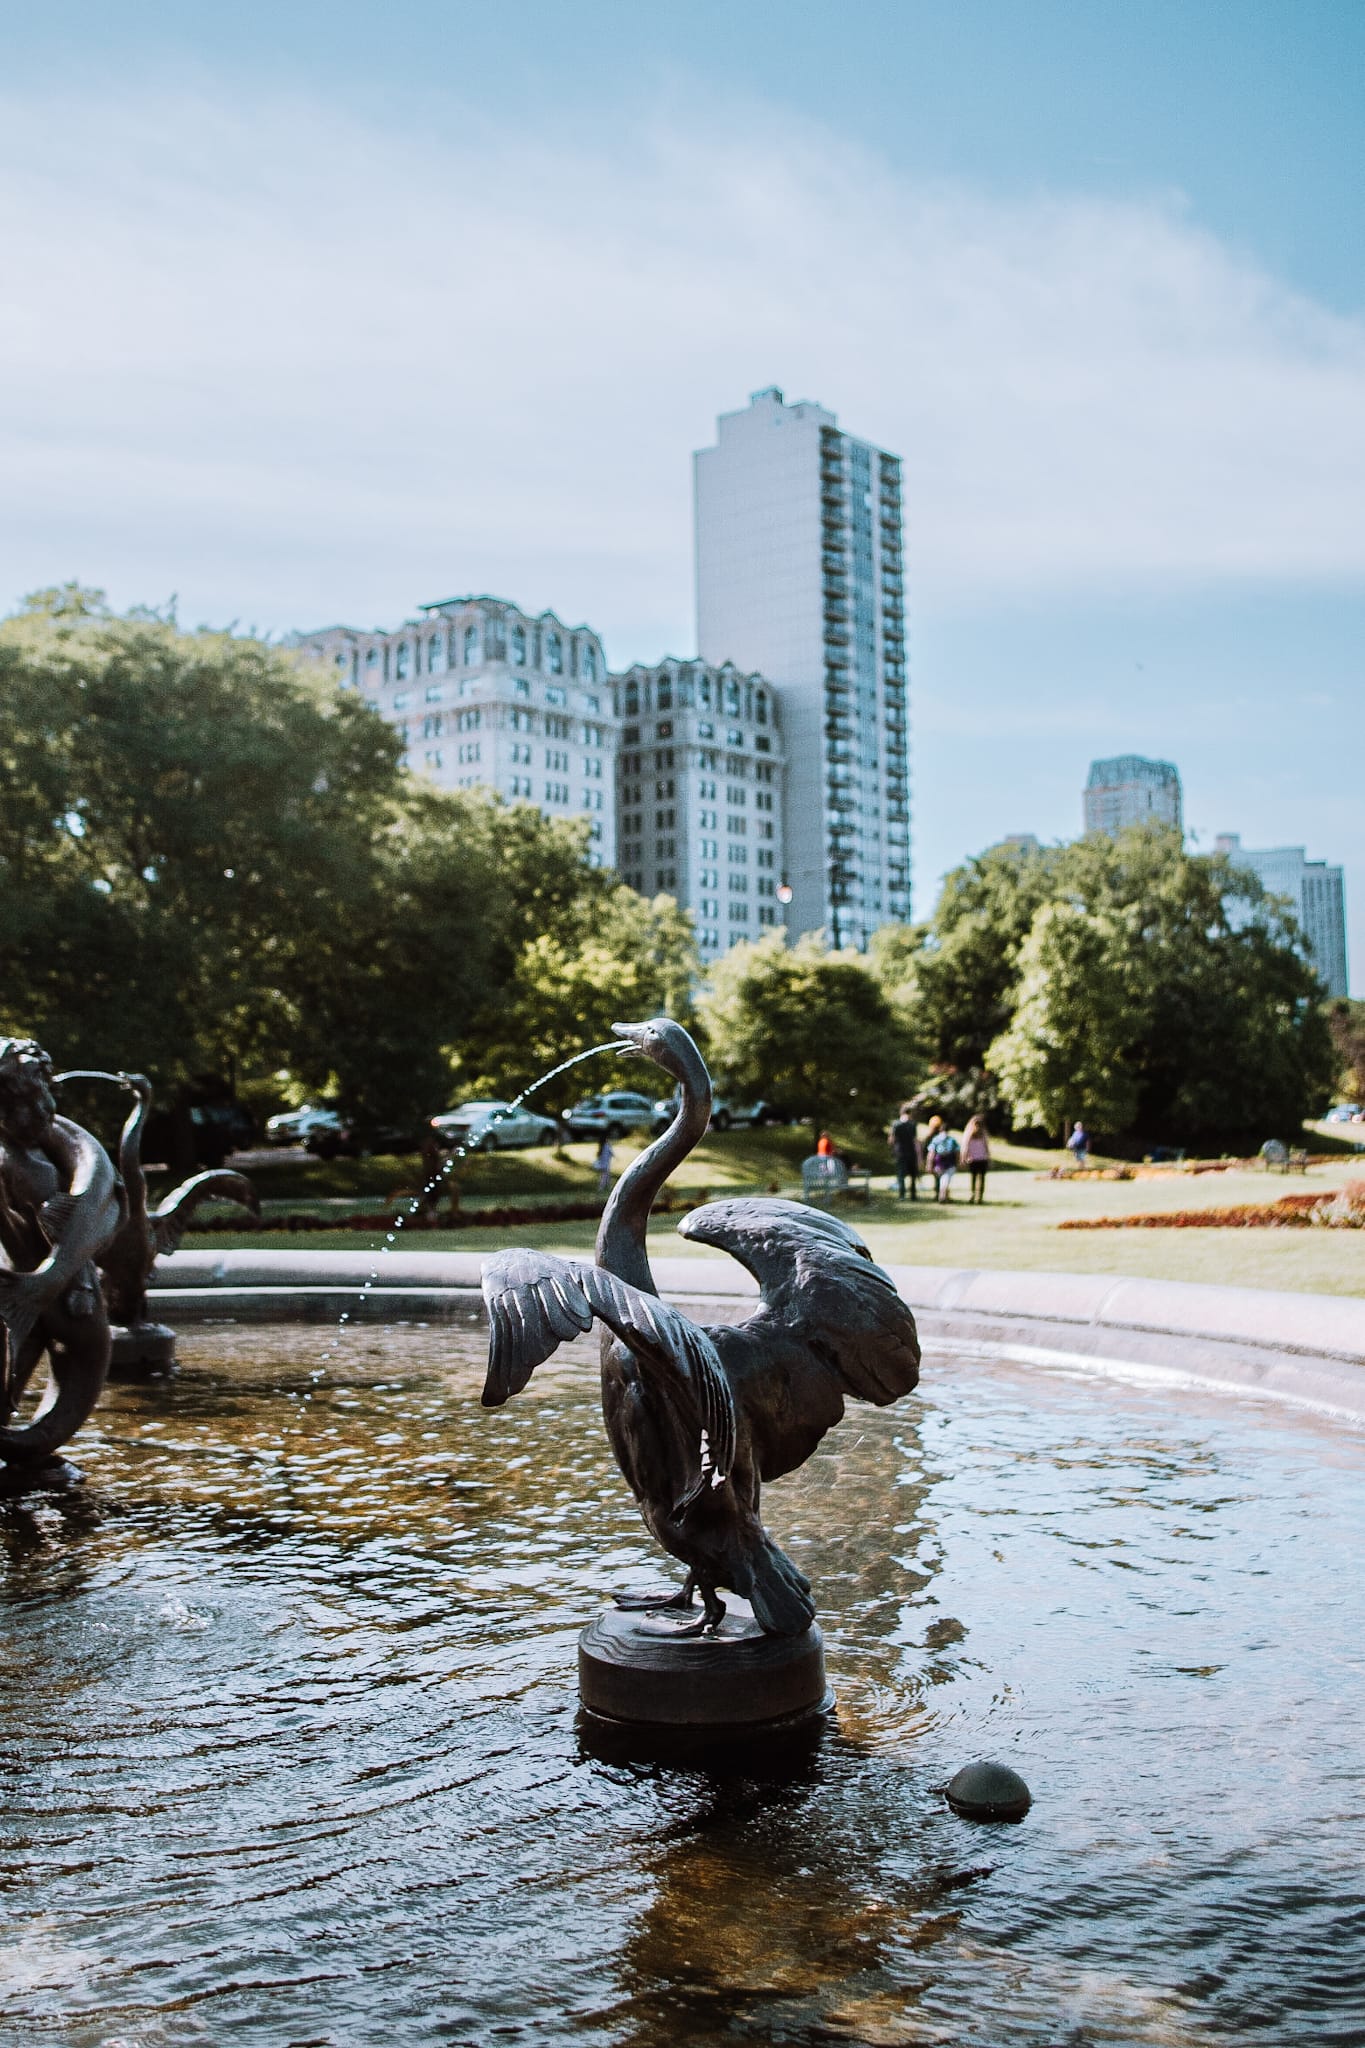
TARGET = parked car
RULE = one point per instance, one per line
(1344, 1113)
(220, 1128)
(609, 1116)
(294, 1126)
(493, 1127)
(725, 1115)
(350, 1136)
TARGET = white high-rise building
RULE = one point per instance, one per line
(485, 694)
(1317, 897)
(1130, 790)
(800, 577)
(699, 795)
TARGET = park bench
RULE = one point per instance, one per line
(1277, 1158)
(822, 1179)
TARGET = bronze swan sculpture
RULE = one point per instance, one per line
(146, 1234)
(699, 1418)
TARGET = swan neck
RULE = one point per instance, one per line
(621, 1247)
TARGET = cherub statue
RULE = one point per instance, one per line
(61, 1203)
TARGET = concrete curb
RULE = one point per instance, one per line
(1308, 1349)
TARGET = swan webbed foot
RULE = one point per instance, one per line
(658, 1602)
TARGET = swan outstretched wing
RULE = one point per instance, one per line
(819, 1281)
(172, 1218)
(536, 1302)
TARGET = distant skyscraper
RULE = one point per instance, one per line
(800, 576)
(483, 694)
(1317, 896)
(1131, 791)
(699, 795)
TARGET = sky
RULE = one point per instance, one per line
(314, 314)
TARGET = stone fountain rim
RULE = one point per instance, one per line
(1307, 1350)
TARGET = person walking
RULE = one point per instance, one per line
(943, 1153)
(903, 1138)
(602, 1165)
(1078, 1145)
(976, 1156)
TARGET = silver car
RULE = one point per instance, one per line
(296, 1126)
(492, 1127)
(609, 1116)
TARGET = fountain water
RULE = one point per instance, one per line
(457, 1153)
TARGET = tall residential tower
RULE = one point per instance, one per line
(800, 576)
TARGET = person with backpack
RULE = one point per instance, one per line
(943, 1153)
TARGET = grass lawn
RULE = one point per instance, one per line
(1014, 1229)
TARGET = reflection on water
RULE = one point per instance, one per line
(288, 1726)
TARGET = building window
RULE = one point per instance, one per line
(554, 654)
(734, 795)
(736, 825)
(471, 645)
(592, 799)
(432, 693)
(663, 694)
(471, 750)
(558, 727)
(554, 694)
(400, 703)
(592, 703)
(734, 738)
(519, 720)
(761, 707)
(468, 721)
(709, 849)
(431, 726)
(705, 729)
(588, 668)
(372, 658)
(436, 655)
(519, 646)
(403, 661)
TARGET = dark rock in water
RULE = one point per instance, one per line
(989, 1792)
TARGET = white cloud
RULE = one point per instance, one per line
(300, 369)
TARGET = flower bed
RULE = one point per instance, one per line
(1344, 1210)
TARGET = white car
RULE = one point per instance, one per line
(493, 1127)
(296, 1126)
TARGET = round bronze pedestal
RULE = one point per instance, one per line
(636, 1671)
(140, 1349)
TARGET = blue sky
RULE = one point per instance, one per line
(318, 312)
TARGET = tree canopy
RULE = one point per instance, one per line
(1148, 990)
(807, 1028)
(211, 862)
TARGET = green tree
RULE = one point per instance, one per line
(1148, 1001)
(808, 1028)
(1078, 1009)
(1346, 1022)
(211, 863)
(962, 980)
(609, 956)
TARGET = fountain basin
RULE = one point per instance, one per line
(293, 1752)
